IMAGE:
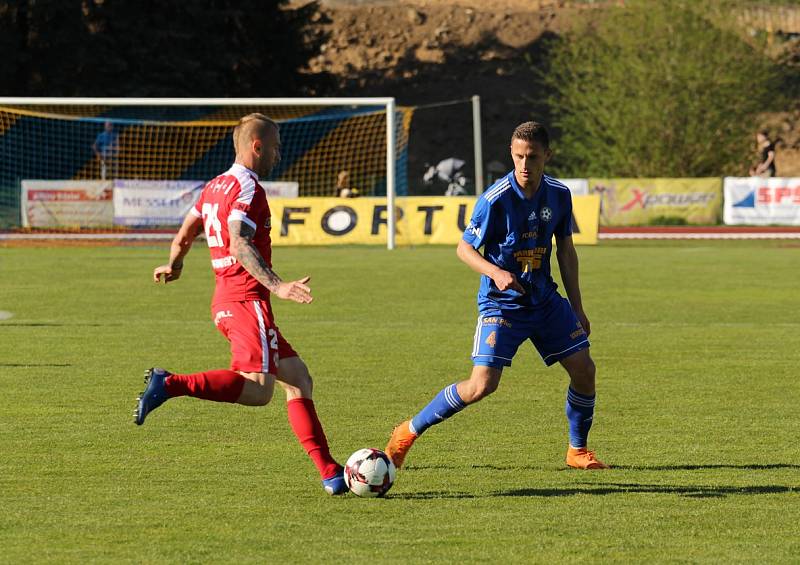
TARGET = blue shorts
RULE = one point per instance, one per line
(553, 329)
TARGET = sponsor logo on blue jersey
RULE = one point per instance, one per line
(495, 321)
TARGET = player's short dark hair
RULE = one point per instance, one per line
(532, 131)
(252, 124)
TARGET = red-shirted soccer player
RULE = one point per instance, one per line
(234, 212)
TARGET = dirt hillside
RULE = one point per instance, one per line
(427, 52)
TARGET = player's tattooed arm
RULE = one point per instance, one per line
(248, 255)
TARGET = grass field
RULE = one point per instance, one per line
(697, 347)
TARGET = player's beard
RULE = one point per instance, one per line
(265, 170)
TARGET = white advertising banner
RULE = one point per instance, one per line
(280, 189)
(153, 202)
(166, 203)
(761, 201)
(578, 187)
(66, 204)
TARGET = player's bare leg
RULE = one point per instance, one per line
(581, 370)
(257, 390)
(482, 382)
(580, 410)
(294, 378)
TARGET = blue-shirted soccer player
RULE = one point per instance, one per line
(515, 221)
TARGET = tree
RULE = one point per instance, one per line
(655, 88)
(43, 43)
(224, 48)
(12, 27)
(155, 48)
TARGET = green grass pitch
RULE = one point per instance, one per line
(697, 347)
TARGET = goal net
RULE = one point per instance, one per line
(174, 140)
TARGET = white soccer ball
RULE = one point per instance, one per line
(369, 473)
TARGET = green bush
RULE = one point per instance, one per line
(657, 88)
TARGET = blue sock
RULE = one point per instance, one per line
(444, 405)
(580, 411)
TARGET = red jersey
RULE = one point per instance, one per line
(235, 195)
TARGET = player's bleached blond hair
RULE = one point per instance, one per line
(530, 132)
(252, 126)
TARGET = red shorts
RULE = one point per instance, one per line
(257, 345)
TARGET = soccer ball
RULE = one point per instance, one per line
(369, 473)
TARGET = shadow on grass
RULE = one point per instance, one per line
(35, 365)
(432, 495)
(429, 467)
(694, 491)
(52, 325)
(488, 467)
(750, 466)
(743, 466)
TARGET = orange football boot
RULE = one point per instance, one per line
(401, 441)
(582, 458)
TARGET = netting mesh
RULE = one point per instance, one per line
(192, 143)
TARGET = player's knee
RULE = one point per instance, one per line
(304, 384)
(257, 389)
(307, 385)
(481, 388)
(482, 382)
(589, 369)
(584, 374)
(487, 388)
(299, 388)
(263, 395)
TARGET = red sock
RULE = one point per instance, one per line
(308, 429)
(220, 386)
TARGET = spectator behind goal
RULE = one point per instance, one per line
(343, 188)
(105, 150)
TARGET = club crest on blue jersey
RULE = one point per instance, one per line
(546, 214)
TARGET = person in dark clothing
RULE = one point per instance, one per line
(766, 166)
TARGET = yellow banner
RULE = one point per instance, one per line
(585, 219)
(630, 202)
(419, 220)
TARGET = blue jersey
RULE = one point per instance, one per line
(517, 236)
(105, 143)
